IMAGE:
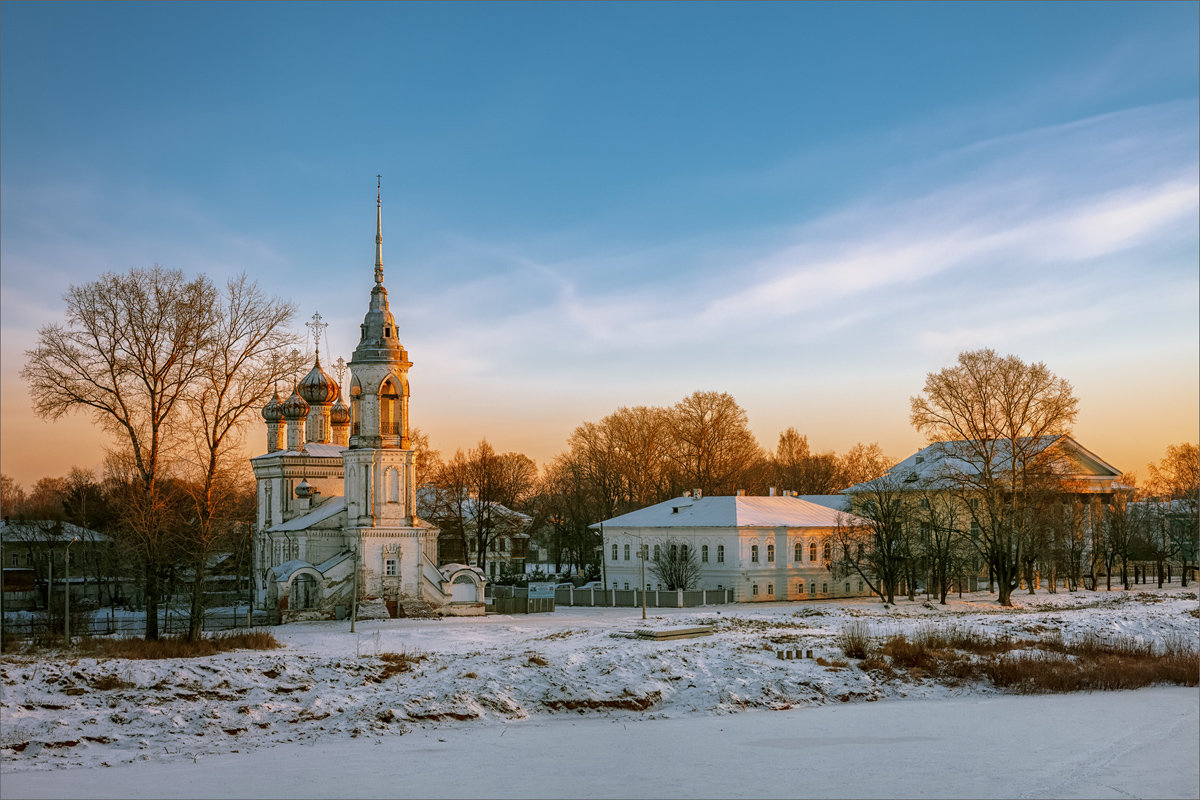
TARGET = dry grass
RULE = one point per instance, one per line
(536, 660)
(176, 647)
(395, 663)
(1049, 664)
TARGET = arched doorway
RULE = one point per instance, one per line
(305, 594)
(464, 590)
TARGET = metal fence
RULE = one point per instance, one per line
(500, 597)
(103, 623)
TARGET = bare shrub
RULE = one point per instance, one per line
(536, 660)
(395, 663)
(856, 640)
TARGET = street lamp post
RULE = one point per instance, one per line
(354, 595)
(67, 593)
(643, 552)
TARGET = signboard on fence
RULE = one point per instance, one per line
(541, 591)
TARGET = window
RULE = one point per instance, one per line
(674, 552)
(614, 553)
(754, 554)
(847, 587)
(754, 590)
(15, 560)
(626, 585)
(770, 555)
(389, 567)
(720, 554)
(860, 551)
(799, 554)
(684, 551)
(704, 553)
(860, 586)
(626, 556)
(615, 585)
(824, 588)
(974, 531)
(812, 588)
(812, 552)
(826, 551)
(924, 503)
(770, 588)
(800, 588)
(657, 553)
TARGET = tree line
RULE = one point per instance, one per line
(174, 368)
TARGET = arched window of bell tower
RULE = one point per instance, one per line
(355, 407)
(389, 409)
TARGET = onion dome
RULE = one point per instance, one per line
(295, 407)
(340, 413)
(304, 489)
(317, 387)
(273, 411)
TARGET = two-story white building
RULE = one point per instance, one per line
(763, 548)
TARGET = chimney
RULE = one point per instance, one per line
(686, 494)
(697, 493)
(741, 492)
(771, 492)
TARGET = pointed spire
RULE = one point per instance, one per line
(378, 232)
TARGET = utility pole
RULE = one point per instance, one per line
(67, 594)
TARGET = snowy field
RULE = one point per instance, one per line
(555, 705)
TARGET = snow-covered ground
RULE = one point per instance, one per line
(556, 705)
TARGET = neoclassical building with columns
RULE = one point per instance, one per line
(337, 525)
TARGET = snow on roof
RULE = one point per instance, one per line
(310, 449)
(838, 502)
(46, 530)
(328, 564)
(331, 507)
(287, 568)
(729, 511)
(940, 461)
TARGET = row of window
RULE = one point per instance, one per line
(812, 588)
(797, 555)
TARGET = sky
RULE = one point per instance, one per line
(586, 206)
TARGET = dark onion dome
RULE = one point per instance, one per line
(295, 407)
(273, 411)
(317, 387)
(340, 413)
(304, 489)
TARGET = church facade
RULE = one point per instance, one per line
(337, 530)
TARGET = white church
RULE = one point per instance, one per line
(337, 526)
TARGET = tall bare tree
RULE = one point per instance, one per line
(130, 350)
(997, 415)
(245, 354)
(712, 445)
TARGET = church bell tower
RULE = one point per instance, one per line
(380, 472)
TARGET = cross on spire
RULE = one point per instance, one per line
(378, 230)
(340, 368)
(317, 327)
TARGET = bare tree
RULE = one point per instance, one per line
(877, 551)
(130, 350)
(245, 354)
(997, 415)
(711, 442)
(864, 462)
(676, 565)
(1174, 489)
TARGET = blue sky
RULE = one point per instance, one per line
(807, 205)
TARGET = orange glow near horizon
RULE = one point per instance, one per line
(31, 448)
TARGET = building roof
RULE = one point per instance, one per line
(46, 530)
(732, 511)
(311, 449)
(938, 463)
(330, 508)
